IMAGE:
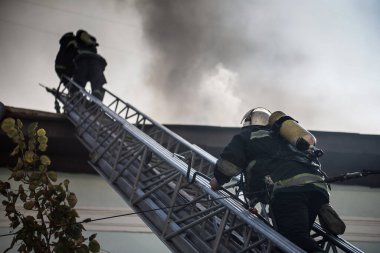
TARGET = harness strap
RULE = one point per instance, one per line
(277, 125)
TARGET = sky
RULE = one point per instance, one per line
(207, 62)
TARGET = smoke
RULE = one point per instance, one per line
(192, 39)
(300, 57)
(208, 61)
(196, 46)
(216, 94)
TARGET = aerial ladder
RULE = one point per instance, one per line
(165, 180)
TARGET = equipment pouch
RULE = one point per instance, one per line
(330, 220)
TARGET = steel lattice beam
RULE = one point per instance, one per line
(141, 160)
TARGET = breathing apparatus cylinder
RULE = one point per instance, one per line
(293, 132)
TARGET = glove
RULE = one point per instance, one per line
(214, 184)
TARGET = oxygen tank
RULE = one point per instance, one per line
(293, 132)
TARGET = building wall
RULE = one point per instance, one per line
(357, 205)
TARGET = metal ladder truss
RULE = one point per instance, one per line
(165, 179)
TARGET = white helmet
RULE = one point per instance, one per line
(258, 116)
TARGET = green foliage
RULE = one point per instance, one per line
(53, 226)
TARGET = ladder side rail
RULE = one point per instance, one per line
(182, 167)
(114, 115)
(175, 136)
(340, 243)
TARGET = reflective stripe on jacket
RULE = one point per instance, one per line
(301, 180)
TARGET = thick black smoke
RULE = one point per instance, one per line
(229, 56)
(190, 39)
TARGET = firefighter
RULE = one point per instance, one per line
(269, 160)
(89, 65)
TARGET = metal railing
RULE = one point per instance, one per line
(165, 179)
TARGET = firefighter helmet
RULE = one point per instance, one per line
(257, 116)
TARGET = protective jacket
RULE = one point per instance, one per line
(64, 64)
(259, 152)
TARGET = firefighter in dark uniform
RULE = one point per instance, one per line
(263, 153)
(89, 65)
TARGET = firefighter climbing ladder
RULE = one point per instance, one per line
(165, 179)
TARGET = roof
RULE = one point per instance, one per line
(344, 152)
(65, 151)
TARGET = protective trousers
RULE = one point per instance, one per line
(295, 213)
(90, 67)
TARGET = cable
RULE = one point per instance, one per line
(103, 46)
(78, 13)
(28, 27)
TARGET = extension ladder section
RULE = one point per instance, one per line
(165, 179)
